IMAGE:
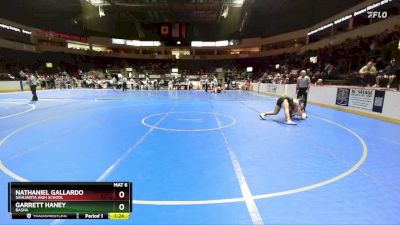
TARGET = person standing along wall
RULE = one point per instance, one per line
(22, 75)
(124, 84)
(302, 87)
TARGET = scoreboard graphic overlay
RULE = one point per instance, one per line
(70, 200)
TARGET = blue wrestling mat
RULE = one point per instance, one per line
(202, 158)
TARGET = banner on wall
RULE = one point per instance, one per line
(164, 31)
(193, 77)
(55, 34)
(154, 76)
(378, 101)
(343, 96)
(363, 99)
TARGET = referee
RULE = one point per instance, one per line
(32, 81)
(302, 87)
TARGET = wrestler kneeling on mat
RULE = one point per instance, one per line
(290, 106)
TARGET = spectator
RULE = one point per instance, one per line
(32, 82)
(302, 87)
(390, 72)
(368, 73)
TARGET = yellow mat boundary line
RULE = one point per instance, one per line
(361, 113)
(12, 90)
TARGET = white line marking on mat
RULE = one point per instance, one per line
(378, 137)
(11, 173)
(48, 141)
(244, 187)
(108, 171)
(120, 159)
(331, 180)
(16, 114)
(190, 120)
(130, 149)
(233, 122)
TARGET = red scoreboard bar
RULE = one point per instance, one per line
(70, 200)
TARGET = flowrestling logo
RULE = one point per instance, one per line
(377, 14)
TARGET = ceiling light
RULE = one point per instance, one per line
(237, 3)
(101, 12)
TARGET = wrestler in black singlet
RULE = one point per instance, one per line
(282, 99)
(290, 102)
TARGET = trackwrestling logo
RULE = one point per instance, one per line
(377, 14)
